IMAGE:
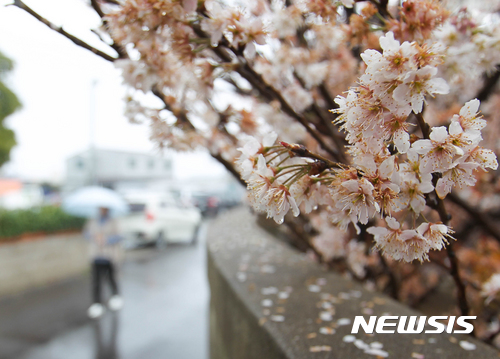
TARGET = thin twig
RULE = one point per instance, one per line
(122, 54)
(298, 231)
(228, 167)
(20, 4)
(482, 218)
(489, 85)
(302, 151)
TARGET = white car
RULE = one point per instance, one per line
(157, 218)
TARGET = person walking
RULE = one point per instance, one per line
(105, 249)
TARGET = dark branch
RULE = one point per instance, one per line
(266, 90)
(229, 166)
(489, 85)
(445, 218)
(119, 50)
(61, 31)
(302, 151)
(298, 231)
(482, 218)
(393, 284)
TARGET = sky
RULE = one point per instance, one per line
(53, 79)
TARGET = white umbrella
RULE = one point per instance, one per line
(86, 202)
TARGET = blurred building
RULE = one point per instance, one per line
(15, 194)
(115, 169)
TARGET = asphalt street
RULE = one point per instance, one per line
(165, 314)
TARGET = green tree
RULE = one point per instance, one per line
(8, 104)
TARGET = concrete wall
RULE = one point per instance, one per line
(269, 302)
(29, 264)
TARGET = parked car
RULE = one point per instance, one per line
(158, 219)
(207, 204)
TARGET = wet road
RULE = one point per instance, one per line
(165, 314)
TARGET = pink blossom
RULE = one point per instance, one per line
(491, 288)
(438, 152)
(417, 84)
(437, 235)
(357, 198)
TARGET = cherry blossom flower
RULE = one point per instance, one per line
(138, 74)
(413, 167)
(458, 176)
(248, 158)
(259, 183)
(342, 219)
(468, 117)
(278, 202)
(356, 257)
(483, 158)
(417, 19)
(436, 234)
(310, 193)
(395, 128)
(391, 240)
(287, 20)
(491, 288)
(216, 23)
(438, 152)
(396, 59)
(357, 198)
(331, 243)
(413, 192)
(416, 247)
(384, 178)
(417, 84)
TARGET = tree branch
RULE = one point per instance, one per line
(229, 166)
(298, 231)
(445, 218)
(122, 54)
(266, 90)
(20, 4)
(393, 282)
(302, 151)
(489, 85)
(482, 218)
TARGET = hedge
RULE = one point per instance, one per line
(47, 219)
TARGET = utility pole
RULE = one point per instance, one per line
(92, 128)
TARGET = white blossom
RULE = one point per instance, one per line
(491, 288)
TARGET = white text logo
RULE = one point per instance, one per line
(412, 325)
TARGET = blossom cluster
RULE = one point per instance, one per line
(378, 178)
(376, 116)
(390, 172)
(252, 82)
(472, 48)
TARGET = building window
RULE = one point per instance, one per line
(167, 165)
(131, 162)
(80, 164)
(151, 164)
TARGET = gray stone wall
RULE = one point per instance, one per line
(270, 302)
(29, 264)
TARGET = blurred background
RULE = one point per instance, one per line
(62, 128)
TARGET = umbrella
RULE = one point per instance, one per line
(86, 202)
